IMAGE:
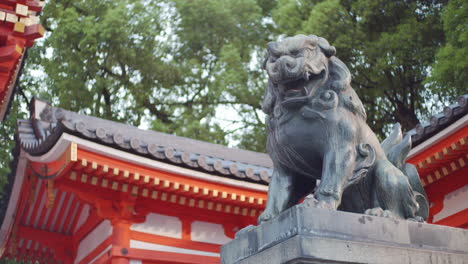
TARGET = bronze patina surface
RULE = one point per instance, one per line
(317, 130)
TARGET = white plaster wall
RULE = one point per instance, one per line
(40, 208)
(209, 233)
(454, 202)
(67, 210)
(100, 254)
(83, 216)
(162, 225)
(57, 211)
(36, 200)
(135, 261)
(149, 246)
(93, 239)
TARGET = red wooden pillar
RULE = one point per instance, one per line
(121, 240)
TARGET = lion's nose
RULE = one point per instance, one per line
(287, 63)
(288, 67)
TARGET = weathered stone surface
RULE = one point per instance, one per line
(311, 235)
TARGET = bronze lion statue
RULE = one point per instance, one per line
(320, 143)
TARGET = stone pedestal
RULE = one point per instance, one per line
(309, 235)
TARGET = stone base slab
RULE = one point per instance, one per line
(309, 235)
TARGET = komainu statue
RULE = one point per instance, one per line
(317, 132)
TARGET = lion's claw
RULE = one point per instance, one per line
(418, 219)
(264, 217)
(379, 212)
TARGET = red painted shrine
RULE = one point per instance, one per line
(88, 190)
(441, 156)
(19, 27)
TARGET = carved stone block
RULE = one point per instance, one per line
(310, 235)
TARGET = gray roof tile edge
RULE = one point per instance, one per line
(47, 124)
(439, 121)
(41, 132)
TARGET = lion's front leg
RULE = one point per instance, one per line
(279, 194)
(338, 167)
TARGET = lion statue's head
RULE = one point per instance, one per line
(302, 69)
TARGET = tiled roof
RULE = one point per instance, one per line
(38, 134)
(41, 132)
(440, 121)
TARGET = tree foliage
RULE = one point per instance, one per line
(7, 131)
(163, 64)
(450, 70)
(388, 46)
(193, 68)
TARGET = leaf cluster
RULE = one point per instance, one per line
(194, 68)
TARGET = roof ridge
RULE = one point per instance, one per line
(47, 124)
(439, 121)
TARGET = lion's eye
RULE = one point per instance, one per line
(296, 53)
(273, 59)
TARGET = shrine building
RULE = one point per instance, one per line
(440, 153)
(19, 27)
(89, 190)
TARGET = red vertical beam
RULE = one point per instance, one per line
(121, 240)
(187, 229)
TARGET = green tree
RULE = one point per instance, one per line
(193, 68)
(389, 47)
(7, 131)
(161, 63)
(449, 72)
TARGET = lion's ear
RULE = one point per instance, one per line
(269, 99)
(272, 48)
(327, 49)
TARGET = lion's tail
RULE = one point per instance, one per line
(396, 149)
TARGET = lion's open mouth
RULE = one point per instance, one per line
(301, 87)
(298, 92)
(295, 88)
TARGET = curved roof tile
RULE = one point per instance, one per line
(47, 123)
(439, 121)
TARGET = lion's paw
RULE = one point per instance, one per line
(418, 219)
(379, 212)
(264, 217)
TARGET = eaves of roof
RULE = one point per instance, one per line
(40, 133)
(439, 121)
